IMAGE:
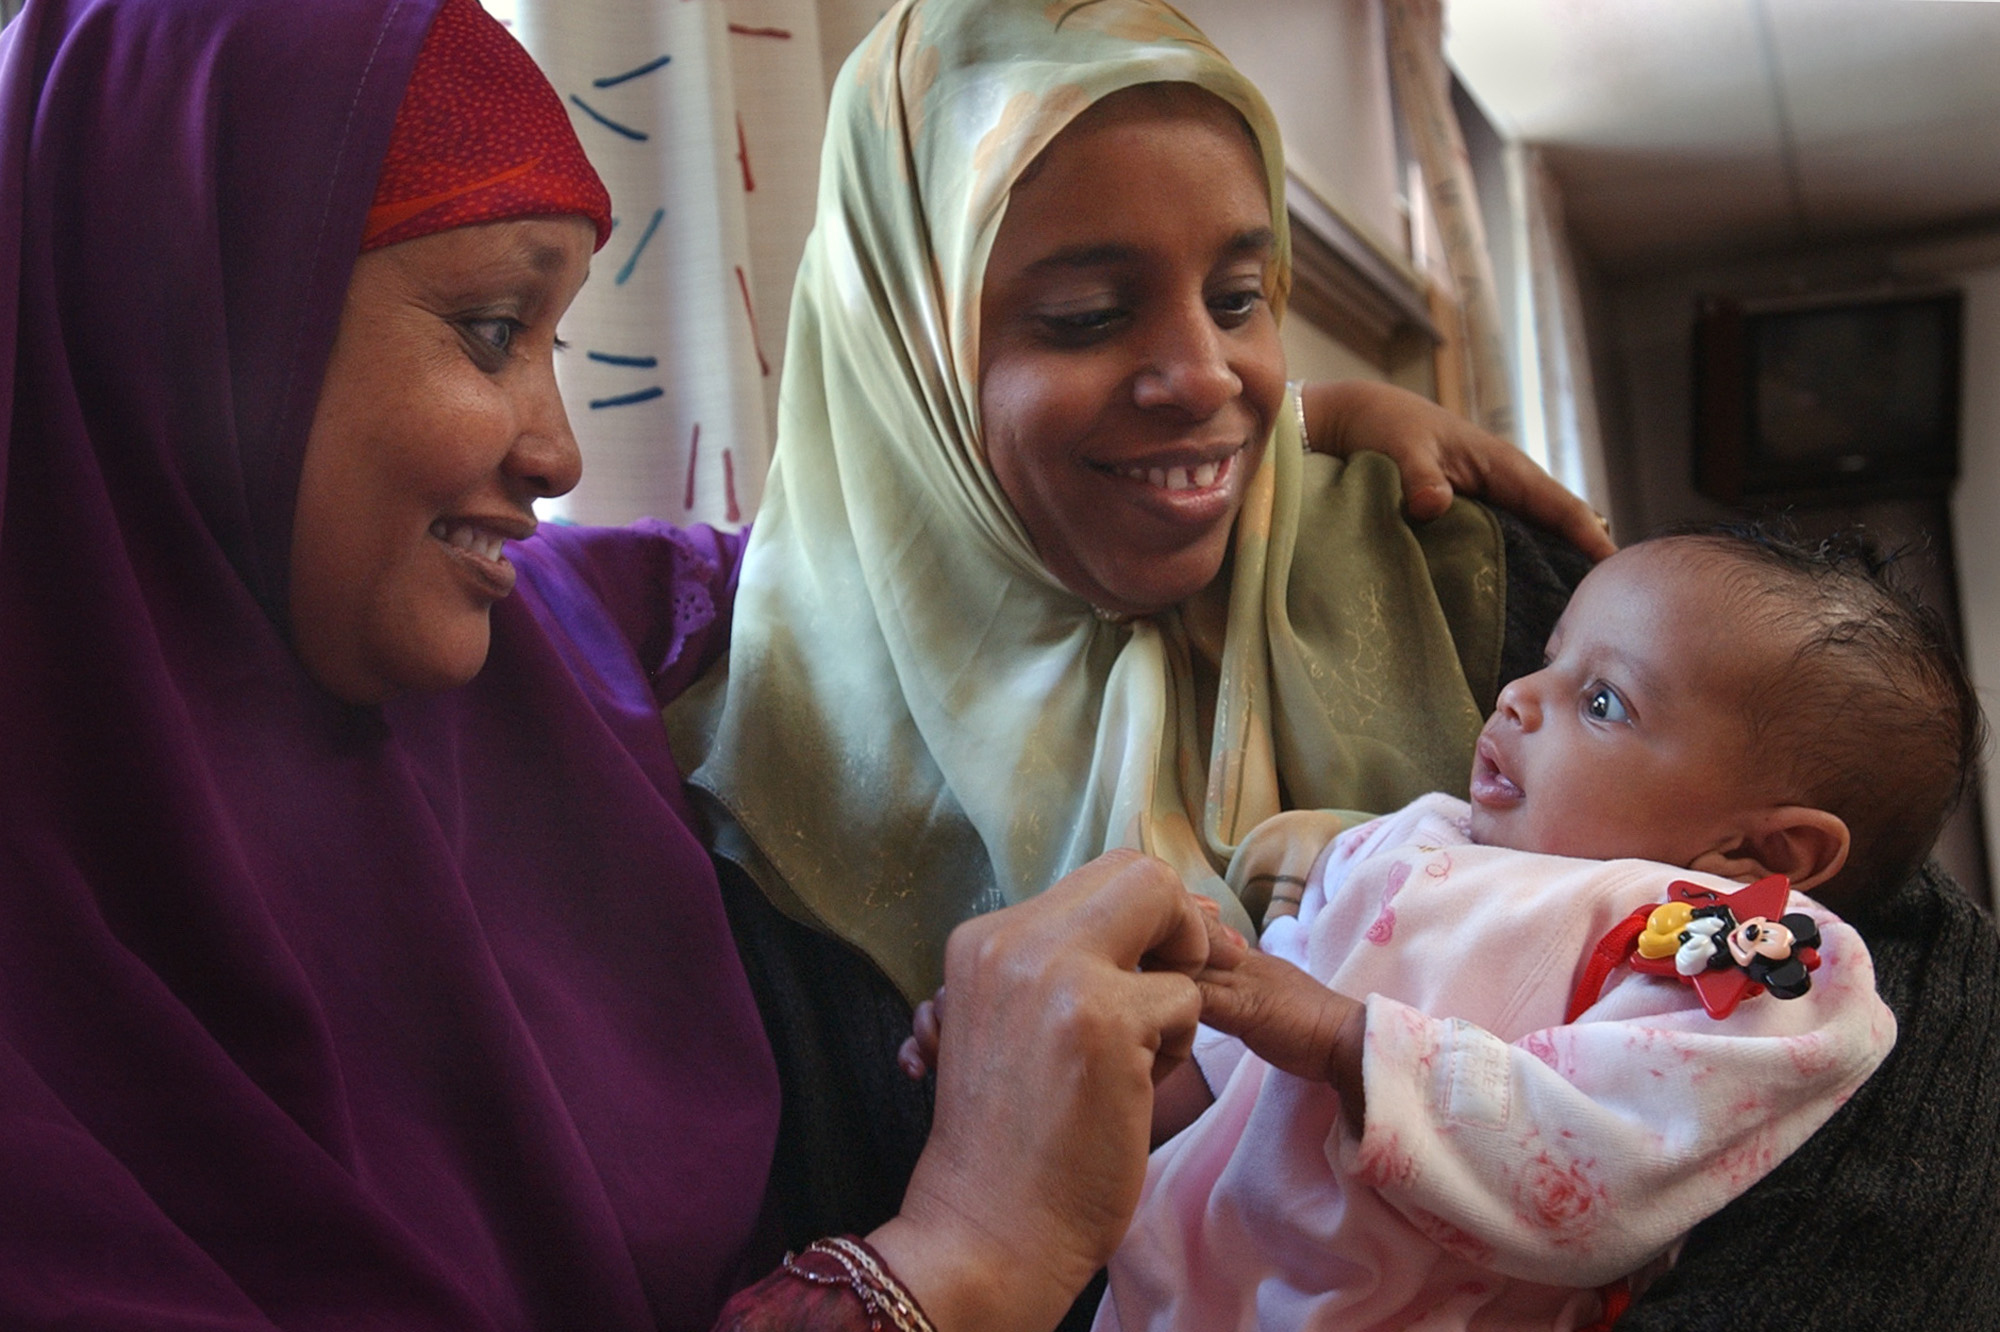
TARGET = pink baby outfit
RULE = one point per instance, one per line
(1510, 1165)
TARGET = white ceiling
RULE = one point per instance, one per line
(1695, 129)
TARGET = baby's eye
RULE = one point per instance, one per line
(1605, 705)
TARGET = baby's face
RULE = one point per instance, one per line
(1631, 740)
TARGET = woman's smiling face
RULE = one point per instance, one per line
(1130, 367)
(438, 426)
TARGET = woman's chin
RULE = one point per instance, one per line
(1143, 585)
(397, 669)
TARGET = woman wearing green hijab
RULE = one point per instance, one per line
(940, 692)
(928, 710)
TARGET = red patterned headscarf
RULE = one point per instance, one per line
(481, 136)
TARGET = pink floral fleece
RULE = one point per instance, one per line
(1510, 1165)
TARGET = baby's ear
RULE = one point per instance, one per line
(1807, 846)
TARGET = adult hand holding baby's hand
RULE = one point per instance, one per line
(919, 1053)
(1290, 1020)
(1062, 1011)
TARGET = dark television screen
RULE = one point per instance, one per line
(1828, 400)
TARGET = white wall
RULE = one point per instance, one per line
(1323, 67)
(1320, 63)
(1311, 354)
(842, 25)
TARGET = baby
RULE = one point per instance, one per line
(1552, 1077)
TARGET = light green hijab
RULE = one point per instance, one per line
(916, 722)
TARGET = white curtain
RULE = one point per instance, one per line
(1547, 404)
(704, 118)
(1557, 396)
(1415, 30)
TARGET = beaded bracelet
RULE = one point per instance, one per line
(842, 1260)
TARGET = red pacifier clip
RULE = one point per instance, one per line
(1729, 946)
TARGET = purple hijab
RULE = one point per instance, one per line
(315, 1016)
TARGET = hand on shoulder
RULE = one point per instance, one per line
(1440, 454)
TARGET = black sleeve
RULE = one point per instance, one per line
(1889, 1216)
(851, 1125)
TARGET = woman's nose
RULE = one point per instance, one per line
(545, 458)
(1188, 364)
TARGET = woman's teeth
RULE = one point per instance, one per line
(1176, 478)
(469, 538)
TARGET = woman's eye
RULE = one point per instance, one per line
(492, 337)
(1232, 309)
(1070, 327)
(1605, 705)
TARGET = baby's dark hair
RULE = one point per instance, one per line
(1876, 716)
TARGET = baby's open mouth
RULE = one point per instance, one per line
(1490, 786)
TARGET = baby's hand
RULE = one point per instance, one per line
(1291, 1020)
(918, 1055)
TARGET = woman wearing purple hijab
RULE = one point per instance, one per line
(358, 966)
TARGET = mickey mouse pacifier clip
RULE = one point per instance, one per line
(1729, 946)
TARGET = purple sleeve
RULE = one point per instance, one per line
(782, 1303)
(831, 1285)
(670, 590)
